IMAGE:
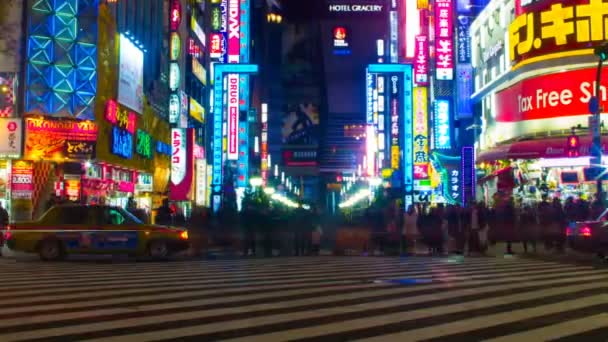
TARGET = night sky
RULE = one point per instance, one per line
(302, 10)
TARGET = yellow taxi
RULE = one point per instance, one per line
(93, 229)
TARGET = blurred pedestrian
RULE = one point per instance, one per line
(164, 214)
(528, 226)
(410, 231)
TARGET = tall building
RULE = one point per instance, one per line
(94, 125)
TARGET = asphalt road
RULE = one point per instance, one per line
(303, 299)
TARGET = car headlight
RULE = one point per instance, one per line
(184, 235)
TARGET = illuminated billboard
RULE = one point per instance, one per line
(404, 75)
(444, 40)
(442, 124)
(421, 129)
(563, 26)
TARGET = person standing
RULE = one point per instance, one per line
(410, 231)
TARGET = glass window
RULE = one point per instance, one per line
(69, 215)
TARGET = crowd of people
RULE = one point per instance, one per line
(471, 229)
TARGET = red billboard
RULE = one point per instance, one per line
(549, 96)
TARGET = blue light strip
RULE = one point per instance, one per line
(408, 136)
(245, 37)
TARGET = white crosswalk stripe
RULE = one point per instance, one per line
(307, 299)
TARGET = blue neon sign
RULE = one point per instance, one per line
(404, 71)
(122, 143)
(441, 124)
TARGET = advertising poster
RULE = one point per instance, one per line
(10, 138)
(421, 61)
(51, 138)
(301, 124)
(300, 134)
(131, 76)
(22, 179)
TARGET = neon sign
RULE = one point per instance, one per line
(174, 108)
(216, 18)
(163, 148)
(442, 124)
(234, 31)
(421, 61)
(233, 116)
(174, 76)
(444, 45)
(121, 117)
(176, 46)
(143, 145)
(122, 143)
(421, 138)
(175, 15)
(557, 28)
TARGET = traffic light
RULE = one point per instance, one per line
(602, 51)
(572, 146)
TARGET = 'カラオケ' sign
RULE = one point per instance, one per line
(549, 96)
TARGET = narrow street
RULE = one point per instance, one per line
(303, 299)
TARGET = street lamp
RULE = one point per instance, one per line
(256, 182)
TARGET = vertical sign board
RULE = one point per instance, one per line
(421, 138)
(394, 37)
(242, 179)
(244, 51)
(233, 116)
(464, 39)
(468, 174)
(182, 163)
(394, 102)
(441, 124)
(405, 112)
(369, 91)
(217, 153)
(264, 147)
(464, 90)
(453, 184)
(444, 42)
(421, 61)
(234, 56)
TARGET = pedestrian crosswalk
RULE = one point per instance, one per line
(304, 299)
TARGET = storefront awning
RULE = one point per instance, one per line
(536, 149)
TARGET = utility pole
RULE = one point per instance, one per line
(596, 109)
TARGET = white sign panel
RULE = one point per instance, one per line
(131, 76)
(201, 182)
(10, 138)
(233, 116)
(178, 155)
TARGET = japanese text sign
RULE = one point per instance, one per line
(444, 42)
(557, 28)
(441, 126)
(420, 129)
(421, 60)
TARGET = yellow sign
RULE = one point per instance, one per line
(197, 111)
(421, 127)
(422, 4)
(557, 28)
(395, 157)
(199, 71)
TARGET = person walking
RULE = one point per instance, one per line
(528, 226)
